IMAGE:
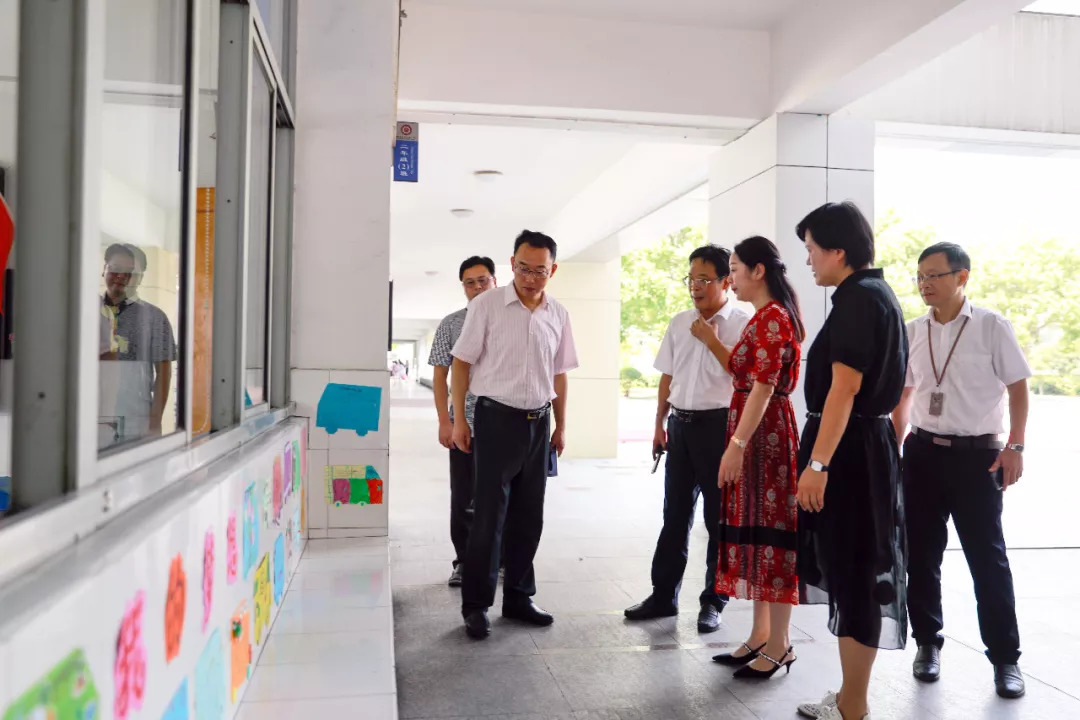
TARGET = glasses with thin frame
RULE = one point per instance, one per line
(526, 272)
(477, 282)
(921, 279)
(699, 282)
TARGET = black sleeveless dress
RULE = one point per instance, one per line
(852, 553)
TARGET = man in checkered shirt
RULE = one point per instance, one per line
(477, 275)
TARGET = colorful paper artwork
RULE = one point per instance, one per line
(298, 536)
(231, 550)
(175, 608)
(68, 691)
(297, 465)
(129, 670)
(251, 530)
(279, 490)
(290, 535)
(262, 598)
(178, 706)
(208, 578)
(210, 694)
(353, 485)
(240, 642)
(349, 407)
(279, 568)
(268, 503)
(287, 475)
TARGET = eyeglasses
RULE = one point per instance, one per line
(699, 282)
(921, 279)
(120, 270)
(530, 273)
(478, 282)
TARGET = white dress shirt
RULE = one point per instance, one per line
(698, 382)
(516, 353)
(987, 359)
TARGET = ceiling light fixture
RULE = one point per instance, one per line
(461, 213)
(487, 175)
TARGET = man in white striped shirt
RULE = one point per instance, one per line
(513, 354)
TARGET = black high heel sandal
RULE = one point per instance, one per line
(737, 660)
(748, 673)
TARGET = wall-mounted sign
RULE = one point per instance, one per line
(406, 153)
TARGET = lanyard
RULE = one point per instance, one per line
(930, 342)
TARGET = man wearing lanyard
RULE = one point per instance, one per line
(513, 355)
(963, 361)
(696, 391)
(477, 275)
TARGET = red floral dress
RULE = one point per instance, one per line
(757, 529)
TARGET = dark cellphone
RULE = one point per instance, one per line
(659, 453)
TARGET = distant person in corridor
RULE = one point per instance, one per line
(964, 361)
(477, 275)
(691, 419)
(514, 353)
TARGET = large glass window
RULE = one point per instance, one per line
(9, 59)
(261, 130)
(141, 243)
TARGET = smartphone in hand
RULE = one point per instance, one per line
(658, 452)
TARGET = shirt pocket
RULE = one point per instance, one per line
(972, 365)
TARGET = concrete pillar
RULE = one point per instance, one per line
(765, 182)
(590, 292)
(346, 109)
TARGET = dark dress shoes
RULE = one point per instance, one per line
(477, 625)
(708, 620)
(528, 612)
(1008, 681)
(927, 665)
(651, 608)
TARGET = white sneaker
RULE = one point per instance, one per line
(818, 710)
(833, 713)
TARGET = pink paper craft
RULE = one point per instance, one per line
(130, 668)
(208, 578)
(232, 553)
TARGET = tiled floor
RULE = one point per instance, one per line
(601, 524)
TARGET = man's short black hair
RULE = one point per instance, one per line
(473, 262)
(718, 257)
(140, 257)
(956, 255)
(841, 226)
(120, 249)
(536, 240)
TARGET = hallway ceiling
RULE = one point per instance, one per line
(740, 14)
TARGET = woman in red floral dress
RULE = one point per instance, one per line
(757, 558)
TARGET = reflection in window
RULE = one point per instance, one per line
(141, 222)
(262, 123)
(9, 58)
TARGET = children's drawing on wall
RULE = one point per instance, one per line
(251, 530)
(68, 691)
(287, 475)
(353, 485)
(279, 569)
(268, 503)
(298, 536)
(178, 706)
(297, 473)
(231, 551)
(207, 578)
(129, 669)
(210, 692)
(240, 644)
(290, 533)
(262, 598)
(175, 608)
(349, 407)
(279, 490)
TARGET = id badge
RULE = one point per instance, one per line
(937, 403)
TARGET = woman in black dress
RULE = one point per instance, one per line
(851, 523)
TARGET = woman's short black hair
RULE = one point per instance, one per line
(473, 262)
(841, 226)
(956, 255)
(718, 257)
(537, 240)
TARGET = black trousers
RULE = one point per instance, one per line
(694, 451)
(510, 460)
(943, 481)
(462, 488)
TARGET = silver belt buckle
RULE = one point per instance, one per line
(532, 415)
(944, 442)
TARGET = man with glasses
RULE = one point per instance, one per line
(137, 356)
(477, 275)
(964, 361)
(695, 393)
(513, 354)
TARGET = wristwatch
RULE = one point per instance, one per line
(1015, 447)
(817, 467)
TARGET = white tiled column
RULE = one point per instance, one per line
(590, 292)
(765, 182)
(345, 103)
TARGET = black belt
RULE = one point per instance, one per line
(775, 393)
(859, 416)
(697, 415)
(537, 414)
(961, 442)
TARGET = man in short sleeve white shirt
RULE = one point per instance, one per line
(513, 354)
(695, 394)
(963, 364)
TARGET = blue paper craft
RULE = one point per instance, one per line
(349, 407)
(210, 683)
(251, 530)
(178, 708)
(279, 568)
